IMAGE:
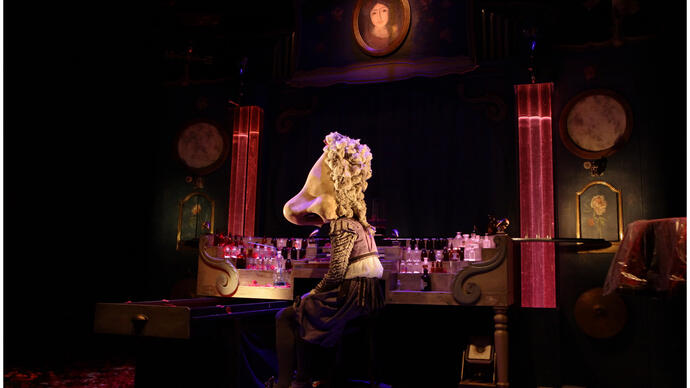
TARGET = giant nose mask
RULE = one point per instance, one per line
(315, 204)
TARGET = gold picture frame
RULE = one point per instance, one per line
(377, 39)
(195, 210)
(593, 218)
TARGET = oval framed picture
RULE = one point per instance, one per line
(202, 146)
(595, 123)
(380, 26)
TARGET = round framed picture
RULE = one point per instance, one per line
(201, 146)
(595, 123)
(380, 26)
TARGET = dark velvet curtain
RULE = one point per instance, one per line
(440, 165)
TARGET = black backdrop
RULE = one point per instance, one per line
(83, 111)
(440, 165)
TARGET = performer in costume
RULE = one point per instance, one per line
(334, 195)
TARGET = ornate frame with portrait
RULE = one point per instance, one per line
(599, 213)
(196, 216)
(380, 26)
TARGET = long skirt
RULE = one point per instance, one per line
(322, 317)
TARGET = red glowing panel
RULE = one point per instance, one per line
(256, 118)
(538, 270)
(247, 123)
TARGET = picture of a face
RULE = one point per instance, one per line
(381, 25)
(379, 15)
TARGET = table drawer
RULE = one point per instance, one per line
(142, 320)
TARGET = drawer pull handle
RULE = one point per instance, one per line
(140, 318)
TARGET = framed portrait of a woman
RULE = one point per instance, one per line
(380, 26)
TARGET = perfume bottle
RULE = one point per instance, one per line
(251, 259)
(402, 266)
(426, 280)
(285, 251)
(486, 242)
(288, 263)
(303, 249)
(279, 277)
(293, 254)
(241, 260)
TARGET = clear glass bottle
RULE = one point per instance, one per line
(279, 276)
(271, 265)
(402, 266)
(416, 266)
(486, 242)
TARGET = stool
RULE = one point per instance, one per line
(368, 326)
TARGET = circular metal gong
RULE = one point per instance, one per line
(600, 316)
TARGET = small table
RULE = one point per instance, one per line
(651, 256)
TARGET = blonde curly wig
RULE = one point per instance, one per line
(350, 164)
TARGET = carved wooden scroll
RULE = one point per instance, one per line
(228, 279)
(465, 292)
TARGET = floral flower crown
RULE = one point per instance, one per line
(347, 158)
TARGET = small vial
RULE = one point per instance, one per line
(486, 243)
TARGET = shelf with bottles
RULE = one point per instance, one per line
(442, 270)
(260, 253)
(443, 255)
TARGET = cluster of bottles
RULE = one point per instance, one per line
(428, 255)
(264, 255)
(472, 245)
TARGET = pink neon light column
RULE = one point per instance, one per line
(538, 269)
(246, 127)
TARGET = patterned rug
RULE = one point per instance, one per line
(87, 374)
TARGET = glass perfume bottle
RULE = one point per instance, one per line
(487, 242)
(279, 276)
(416, 260)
